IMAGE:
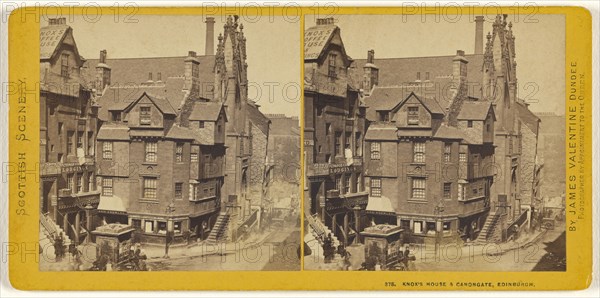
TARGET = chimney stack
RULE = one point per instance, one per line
(102, 74)
(210, 36)
(370, 73)
(479, 35)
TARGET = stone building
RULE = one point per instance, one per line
(199, 119)
(68, 128)
(456, 101)
(284, 158)
(259, 131)
(334, 128)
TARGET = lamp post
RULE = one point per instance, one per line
(437, 211)
(170, 209)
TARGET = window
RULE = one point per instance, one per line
(64, 65)
(178, 190)
(338, 183)
(151, 148)
(347, 184)
(116, 116)
(193, 157)
(327, 129)
(358, 181)
(375, 150)
(487, 127)
(179, 152)
(149, 226)
(70, 181)
(338, 143)
(137, 224)
(242, 145)
(60, 129)
(90, 150)
(413, 116)
(376, 187)
(177, 227)
(80, 183)
(332, 69)
(418, 75)
(107, 187)
(348, 138)
(319, 110)
(219, 128)
(447, 190)
(447, 152)
(150, 188)
(419, 152)
(470, 123)
(107, 150)
(51, 110)
(200, 124)
(357, 144)
(145, 115)
(80, 139)
(418, 188)
(150, 76)
(158, 76)
(462, 157)
(461, 192)
(384, 116)
(70, 135)
(91, 180)
(427, 76)
(162, 227)
(418, 227)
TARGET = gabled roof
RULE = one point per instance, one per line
(402, 71)
(160, 102)
(474, 110)
(206, 111)
(51, 37)
(528, 117)
(389, 98)
(318, 38)
(135, 71)
(258, 118)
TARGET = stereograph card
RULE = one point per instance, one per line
(284, 147)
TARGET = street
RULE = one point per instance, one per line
(277, 252)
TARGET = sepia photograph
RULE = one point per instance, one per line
(434, 143)
(170, 143)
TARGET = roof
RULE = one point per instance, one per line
(118, 98)
(113, 203)
(380, 204)
(528, 117)
(282, 125)
(387, 98)
(50, 37)
(316, 39)
(113, 131)
(449, 132)
(401, 71)
(146, 133)
(258, 118)
(382, 132)
(135, 71)
(474, 110)
(206, 111)
(199, 136)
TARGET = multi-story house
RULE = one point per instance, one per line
(334, 127)
(68, 127)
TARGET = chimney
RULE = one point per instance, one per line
(191, 73)
(371, 73)
(209, 50)
(479, 35)
(57, 21)
(102, 74)
(325, 21)
(459, 70)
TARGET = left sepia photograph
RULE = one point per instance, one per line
(169, 143)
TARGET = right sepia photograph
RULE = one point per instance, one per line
(434, 143)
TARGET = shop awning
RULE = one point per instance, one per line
(112, 204)
(380, 205)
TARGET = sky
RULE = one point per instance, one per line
(539, 46)
(272, 46)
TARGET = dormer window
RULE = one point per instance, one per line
(116, 116)
(384, 116)
(64, 65)
(332, 69)
(413, 115)
(470, 123)
(145, 115)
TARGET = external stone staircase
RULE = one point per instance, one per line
(489, 232)
(219, 230)
(49, 230)
(320, 230)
